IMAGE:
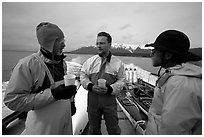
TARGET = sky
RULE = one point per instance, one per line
(135, 23)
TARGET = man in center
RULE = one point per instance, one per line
(102, 100)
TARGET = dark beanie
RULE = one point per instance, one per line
(47, 33)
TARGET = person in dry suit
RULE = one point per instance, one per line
(177, 103)
(101, 101)
(36, 86)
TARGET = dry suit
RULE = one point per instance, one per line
(36, 86)
(29, 90)
(177, 104)
(113, 72)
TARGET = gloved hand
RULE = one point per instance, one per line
(63, 92)
(100, 90)
(73, 108)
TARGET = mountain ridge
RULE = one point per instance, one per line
(121, 50)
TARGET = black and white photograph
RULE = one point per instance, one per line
(101, 68)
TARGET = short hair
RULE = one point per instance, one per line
(108, 36)
(179, 59)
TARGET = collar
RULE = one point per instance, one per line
(50, 56)
(163, 78)
(177, 67)
(108, 57)
(47, 60)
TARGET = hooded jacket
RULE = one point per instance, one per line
(25, 92)
(177, 104)
(28, 75)
(29, 88)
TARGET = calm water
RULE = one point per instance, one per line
(10, 59)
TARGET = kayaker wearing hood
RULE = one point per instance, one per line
(177, 104)
(37, 87)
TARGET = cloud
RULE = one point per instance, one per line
(126, 26)
(103, 27)
(127, 37)
(91, 36)
(128, 22)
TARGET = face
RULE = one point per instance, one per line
(58, 47)
(103, 46)
(156, 58)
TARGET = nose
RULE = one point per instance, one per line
(98, 46)
(63, 45)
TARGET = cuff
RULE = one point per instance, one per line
(110, 89)
(89, 87)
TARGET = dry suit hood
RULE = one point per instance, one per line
(47, 33)
(187, 69)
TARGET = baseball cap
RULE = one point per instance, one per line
(175, 42)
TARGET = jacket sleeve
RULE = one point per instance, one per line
(119, 84)
(84, 75)
(18, 96)
(181, 107)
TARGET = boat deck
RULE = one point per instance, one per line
(17, 126)
(127, 114)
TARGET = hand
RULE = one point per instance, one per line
(99, 90)
(63, 92)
